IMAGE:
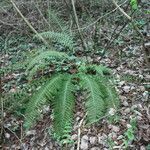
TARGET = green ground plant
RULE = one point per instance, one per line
(59, 90)
(129, 134)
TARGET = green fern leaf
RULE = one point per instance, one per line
(101, 70)
(56, 22)
(94, 105)
(39, 60)
(63, 108)
(40, 98)
(110, 96)
(63, 38)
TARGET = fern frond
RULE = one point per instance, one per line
(95, 104)
(101, 70)
(40, 98)
(39, 59)
(63, 38)
(63, 108)
(56, 21)
(109, 92)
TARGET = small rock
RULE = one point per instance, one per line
(125, 103)
(141, 76)
(95, 148)
(77, 118)
(4, 114)
(112, 111)
(50, 145)
(123, 98)
(126, 89)
(84, 142)
(93, 140)
(115, 129)
(46, 148)
(133, 107)
(7, 135)
(72, 148)
(120, 137)
(142, 148)
(74, 137)
(132, 87)
(102, 139)
(46, 109)
(31, 132)
(139, 118)
(142, 88)
(121, 83)
(24, 146)
(145, 96)
(127, 110)
(129, 126)
(13, 90)
(7, 125)
(112, 135)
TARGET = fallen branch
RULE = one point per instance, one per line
(77, 23)
(79, 132)
(136, 29)
(29, 24)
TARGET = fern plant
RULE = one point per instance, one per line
(59, 93)
(59, 33)
(60, 37)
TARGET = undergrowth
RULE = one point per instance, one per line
(59, 87)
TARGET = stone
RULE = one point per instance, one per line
(125, 103)
(102, 139)
(142, 148)
(129, 126)
(120, 137)
(127, 110)
(123, 98)
(84, 142)
(145, 96)
(46, 148)
(46, 109)
(112, 135)
(7, 135)
(126, 89)
(74, 137)
(112, 111)
(31, 132)
(93, 140)
(142, 88)
(115, 129)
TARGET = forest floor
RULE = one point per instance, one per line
(128, 128)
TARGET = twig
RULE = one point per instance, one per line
(71, 16)
(2, 103)
(77, 23)
(14, 135)
(121, 10)
(101, 17)
(135, 28)
(2, 116)
(28, 23)
(36, 5)
(79, 132)
(8, 24)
